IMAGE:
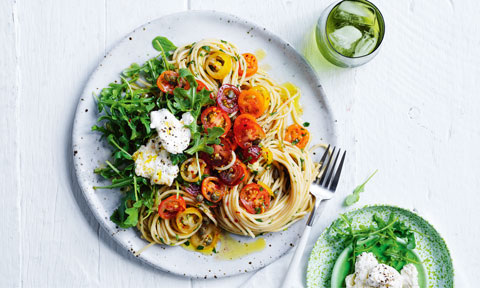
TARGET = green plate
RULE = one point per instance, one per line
(342, 266)
(328, 258)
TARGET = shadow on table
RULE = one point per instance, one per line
(315, 58)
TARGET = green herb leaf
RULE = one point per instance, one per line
(161, 43)
(306, 124)
(178, 158)
(352, 199)
(355, 196)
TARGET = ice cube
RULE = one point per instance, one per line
(355, 13)
(343, 39)
(365, 45)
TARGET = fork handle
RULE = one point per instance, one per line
(290, 279)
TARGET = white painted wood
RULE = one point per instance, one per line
(10, 266)
(412, 113)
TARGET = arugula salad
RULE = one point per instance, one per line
(379, 254)
(125, 123)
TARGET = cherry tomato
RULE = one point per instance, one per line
(213, 189)
(255, 198)
(251, 154)
(297, 135)
(235, 174)
(201, 86)
(251, 102)
(229, 138)
(188, 220)
(189, 169)
(267, 155)
(265, 94)
(247, 132)
(227, 98)
(185, 85)
(221, 156)
(167, 81)
(169, 207)
(216, 117)
(252, 65)
(193, 189)
(206, 238)
(218, 65)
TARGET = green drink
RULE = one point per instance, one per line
(349, 32)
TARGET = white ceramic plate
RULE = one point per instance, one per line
(184, 28)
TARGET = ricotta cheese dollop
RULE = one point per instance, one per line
(369, 273)
(152, 162)
(172, 133)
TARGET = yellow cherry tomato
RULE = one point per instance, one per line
(206, 238)
(189, 169)
(265, 94)
(218, 65)
(267, 155)
(188, 220)
(263, 185)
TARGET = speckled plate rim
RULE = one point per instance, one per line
(311, 273)
(312, 76)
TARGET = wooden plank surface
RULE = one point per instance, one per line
(412, 113)
(10, 266)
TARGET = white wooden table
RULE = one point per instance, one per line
(413, 113)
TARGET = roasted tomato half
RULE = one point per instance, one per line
(230, 139)
(255, 198)
(215, 117)
(235, 174)
(190, 170)
(189, 220)
(169, 207)
(297, 135)
(251, 102)
(221, 156)
(247, 132)
(252, 64)
(206, 238)
(167, 81)
(218, 65)
(213, 189)
(251, 154)
(227, 98)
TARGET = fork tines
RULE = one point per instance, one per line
(330, 170)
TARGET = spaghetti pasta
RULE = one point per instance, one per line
(288, 173)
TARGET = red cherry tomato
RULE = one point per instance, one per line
(230, 139)
(215, 117)
(227, 98)
(169, 207)
(251, 154)
(167, 81)
(255, 198)
(247, 132)
(235, 174)
(221, 156)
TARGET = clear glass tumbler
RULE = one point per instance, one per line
(350, 32)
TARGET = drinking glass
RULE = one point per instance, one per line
(349, 32)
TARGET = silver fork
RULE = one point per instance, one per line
(323, 189)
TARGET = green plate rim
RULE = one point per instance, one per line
(309, 271)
